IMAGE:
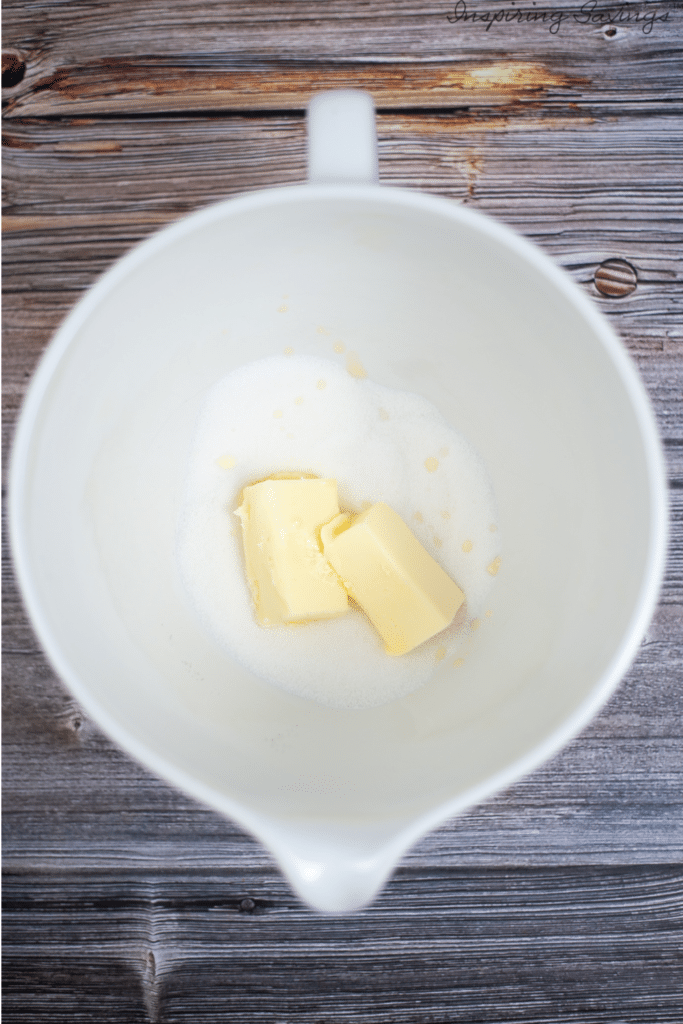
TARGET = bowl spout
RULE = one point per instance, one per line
(336, 869)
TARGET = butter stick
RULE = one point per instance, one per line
(289, 578)
(405, 593)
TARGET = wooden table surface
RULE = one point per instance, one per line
(560, 899)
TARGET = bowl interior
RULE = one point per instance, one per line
(434, 301)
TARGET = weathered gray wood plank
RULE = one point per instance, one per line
(221, 56)
(76, 197)
(348, 29)
(437, 946)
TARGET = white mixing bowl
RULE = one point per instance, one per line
(437, 300)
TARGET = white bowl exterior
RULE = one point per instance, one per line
(435, 299)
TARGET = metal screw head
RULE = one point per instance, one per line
(615, 278)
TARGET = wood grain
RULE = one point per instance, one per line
(517, 945)
(108, 85)
(594, 190)
(219, 56)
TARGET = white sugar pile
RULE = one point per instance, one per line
(303, 414)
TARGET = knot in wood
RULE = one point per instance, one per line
(615, 278)
(150, 966)
(13, 68)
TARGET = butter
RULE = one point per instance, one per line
(289, 577)
(406, 594)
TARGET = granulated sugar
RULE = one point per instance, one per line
(308, 415)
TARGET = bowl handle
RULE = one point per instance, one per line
(342, 138)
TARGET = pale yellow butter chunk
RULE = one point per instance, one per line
(406, 594)
(289, 577)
